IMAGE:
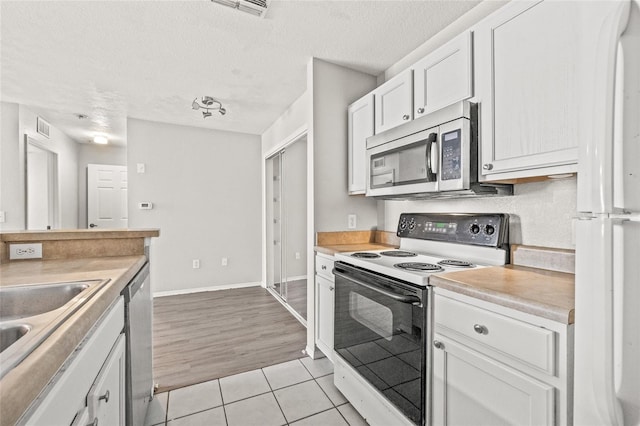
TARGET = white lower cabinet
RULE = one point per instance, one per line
(494, 365)
(325, 304)
(471, 389)
(90, 385)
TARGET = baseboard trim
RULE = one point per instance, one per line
(203, 289)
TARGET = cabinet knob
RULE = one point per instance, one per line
(480, 329)
(420, 110)
(324, 267)
(105, 397)
(330, 288)
(405, 117)
(438, 344)
(487, 166)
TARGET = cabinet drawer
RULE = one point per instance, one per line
(529, 344)
(324, 266)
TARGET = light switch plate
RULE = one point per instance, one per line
(140, 167)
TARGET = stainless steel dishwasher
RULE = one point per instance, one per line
(138, 323)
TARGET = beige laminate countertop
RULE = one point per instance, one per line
(20, 386)
(547, 294)
(343, 248)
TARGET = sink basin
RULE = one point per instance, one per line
(29, 300)
(31, 313)
(9, 335)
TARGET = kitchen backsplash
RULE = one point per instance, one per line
(541, 213)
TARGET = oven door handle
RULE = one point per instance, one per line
(395, 296)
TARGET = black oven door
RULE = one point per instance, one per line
(381, 330)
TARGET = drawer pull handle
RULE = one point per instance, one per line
(480, 329)
(105, 397)
(438, 344)
(324, 267)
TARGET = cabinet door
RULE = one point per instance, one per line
(394, 102)
(360, 128)
(324, 315)
(528, 59)
(106, 398)
(443, 77)
(471, 389)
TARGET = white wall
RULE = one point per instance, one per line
(94, 154)
(205, 186)
(333, 89)
(294, 118)
(14, 127)
(541, 213)
(11, 168)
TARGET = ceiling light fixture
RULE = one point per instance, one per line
(207, 106)
(99, 139)
(252, 7)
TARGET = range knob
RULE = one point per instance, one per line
(489, 229)
(474, 229)
(403, 224)
(412, 224)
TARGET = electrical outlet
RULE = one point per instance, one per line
(225, 261)
(140, 167)
(25, 251)
(351, 221)
(297, 255)
(196, 263)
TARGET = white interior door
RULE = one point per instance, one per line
(107, 196)
(41, 187)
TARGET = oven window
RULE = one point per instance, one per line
(383, 339)
(374, 316)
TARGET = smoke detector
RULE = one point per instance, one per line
(253, 7)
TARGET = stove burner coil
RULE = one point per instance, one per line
(398, 253)
(456, 263)
(419, 267)
(365, 255)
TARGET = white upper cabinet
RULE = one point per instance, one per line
(443, 77)
(360, 128)
(527, 68)
(394, 102)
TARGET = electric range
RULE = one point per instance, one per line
(383, 309)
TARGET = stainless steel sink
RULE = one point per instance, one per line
(10, 334)
(29, 300)
(31, 313)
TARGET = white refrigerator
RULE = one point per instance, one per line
(607, 232)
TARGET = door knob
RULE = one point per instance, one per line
(92, 225)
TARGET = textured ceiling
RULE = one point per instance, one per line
(150, 59)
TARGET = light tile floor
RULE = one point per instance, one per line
(299, 392)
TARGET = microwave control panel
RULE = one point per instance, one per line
(451, 143)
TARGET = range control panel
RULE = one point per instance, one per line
(491, 230)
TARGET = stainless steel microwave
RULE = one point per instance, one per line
(432, 156)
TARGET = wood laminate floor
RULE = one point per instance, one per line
(203, 336)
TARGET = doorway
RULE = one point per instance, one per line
(42, 196)
(286, 226)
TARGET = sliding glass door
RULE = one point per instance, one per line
(286, 177)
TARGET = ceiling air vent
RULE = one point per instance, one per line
(43, 127)
(253, 7)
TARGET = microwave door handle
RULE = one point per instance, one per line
(395, 296)
(432, 148)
